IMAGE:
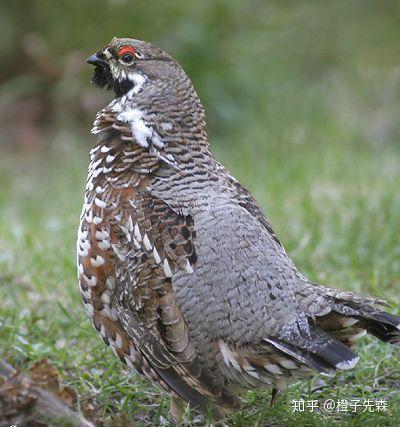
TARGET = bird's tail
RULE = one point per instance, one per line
(384, 326)
(349, 316)
(336, 320)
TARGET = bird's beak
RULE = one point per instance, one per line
(95, 60)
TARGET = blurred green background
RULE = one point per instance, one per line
(302, 101)
(259, 63)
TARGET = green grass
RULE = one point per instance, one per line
(303, 109)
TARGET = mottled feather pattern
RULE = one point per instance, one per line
(136, 243)
(180, 271)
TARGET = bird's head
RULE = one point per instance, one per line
(126, 64)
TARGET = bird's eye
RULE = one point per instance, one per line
(127, 57)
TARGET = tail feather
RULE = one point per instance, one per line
(340, 306)
(338, 355)
(329, 349)
(298, 354)
(335, 320)
(384, 326)
(318, 350)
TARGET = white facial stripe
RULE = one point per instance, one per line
(122, 74)
(107, 54)
(138, 80)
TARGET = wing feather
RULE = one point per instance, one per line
(161, 241)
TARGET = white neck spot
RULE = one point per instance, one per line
(138, 80)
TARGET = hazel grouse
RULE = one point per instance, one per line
(180, 271)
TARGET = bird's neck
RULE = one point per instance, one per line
(155, 123)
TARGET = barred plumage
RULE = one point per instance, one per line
(180, 271)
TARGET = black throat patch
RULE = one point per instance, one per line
(121, 88)
(102, 77)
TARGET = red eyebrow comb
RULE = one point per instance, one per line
(126, 49)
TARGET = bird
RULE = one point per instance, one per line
(180, 271)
